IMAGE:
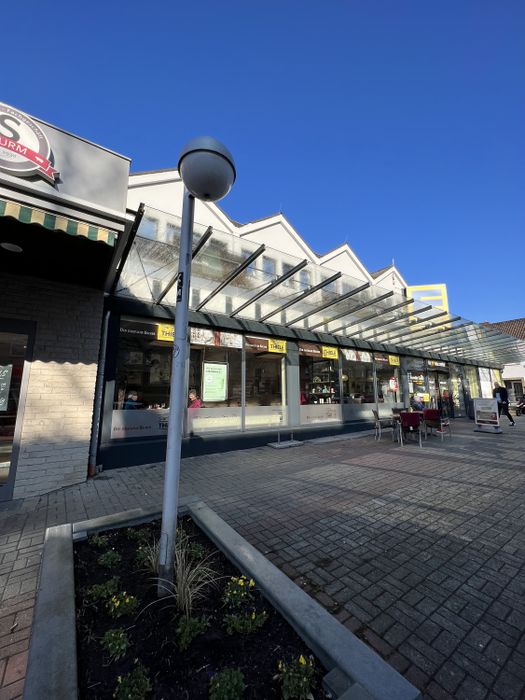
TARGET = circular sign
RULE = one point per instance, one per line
(24, 148)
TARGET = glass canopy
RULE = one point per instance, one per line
(243, 279)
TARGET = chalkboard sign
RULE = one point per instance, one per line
(5, 383)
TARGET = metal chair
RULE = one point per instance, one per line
(381, 423)
(433, 419)
(410, 425)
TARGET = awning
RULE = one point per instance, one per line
(243, 279)
(53, 222)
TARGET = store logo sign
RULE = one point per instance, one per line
(275, 345)
(329, 353)
(394, 360)
(24, 148)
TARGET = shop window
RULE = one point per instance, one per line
(269, 266)
(172, 233)
(319, 383)
(358, 385)
(389, 391)
(304, 278)
(214, 388)
(265, 383)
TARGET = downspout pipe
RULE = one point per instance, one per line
(99, 391)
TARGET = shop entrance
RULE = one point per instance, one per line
(440, 393)
(13, 352)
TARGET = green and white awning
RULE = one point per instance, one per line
(54, 222)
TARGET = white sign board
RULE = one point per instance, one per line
(486, 415)
(214, 381)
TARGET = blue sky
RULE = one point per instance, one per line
(397, 126)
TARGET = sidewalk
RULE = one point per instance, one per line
(421, 552)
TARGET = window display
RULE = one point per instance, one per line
(319, 383)
(265, 382)
(389, 392)
(358, 384)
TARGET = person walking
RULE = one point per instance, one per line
(502, 397)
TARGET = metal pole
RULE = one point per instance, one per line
(99, 392)
(177, 399)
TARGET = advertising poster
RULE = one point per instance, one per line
(5, 383)
(214, 381)
(486, 413)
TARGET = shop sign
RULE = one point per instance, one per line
(357, 355)
(425, 397)
(5, 383)
(166, 332)
(214, 381)
(381, 358)
(138, 329)
(329, 353)
(394, 360)
(139, 423)
(309, 349)
(436, 363)
(278, 346)
(230, 340)
(24, 148)
(203, 336)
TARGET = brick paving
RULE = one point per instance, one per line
(420, 552)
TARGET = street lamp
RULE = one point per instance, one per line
(208, 172)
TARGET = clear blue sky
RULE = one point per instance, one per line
(398, 126)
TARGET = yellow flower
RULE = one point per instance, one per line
(302, 660)
(253, 615)
(252, 583)
(241, 582)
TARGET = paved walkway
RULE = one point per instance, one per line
(420, 552)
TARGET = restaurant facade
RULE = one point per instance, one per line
(282, 340)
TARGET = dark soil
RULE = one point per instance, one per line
(173, 673)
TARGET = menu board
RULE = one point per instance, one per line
(5, 383)
(214, 381)
(486, 412)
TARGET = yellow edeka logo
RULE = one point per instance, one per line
(165, 331)
(394, 360)
(329, 353)
(277, 346)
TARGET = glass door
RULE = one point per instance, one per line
(13, 351)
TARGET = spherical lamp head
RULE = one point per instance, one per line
(207, 168)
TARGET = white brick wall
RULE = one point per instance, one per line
(59, 405)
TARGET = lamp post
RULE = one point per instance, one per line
(208, 173)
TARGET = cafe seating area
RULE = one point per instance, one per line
(409, 423)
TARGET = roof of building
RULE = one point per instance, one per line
(515, 327)
(378, 273)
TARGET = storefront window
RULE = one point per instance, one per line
(319, 383)
(457, 393)
(265, 382)
(485, 381)
(389, 393)
(418, 395)
(214, 381)
(358, 384)
(470, 386)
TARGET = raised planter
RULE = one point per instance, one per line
(354, 671)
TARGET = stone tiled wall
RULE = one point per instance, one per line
(59, 405)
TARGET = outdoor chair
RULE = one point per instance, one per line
(410, 425)
(381, 423)
(434, 420)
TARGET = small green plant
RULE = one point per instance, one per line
(109, 559)
(189, 628)
(99, 541)
(297, 678)
(102, 591)
(148, 556)
(227, 685)
(122, 604)
(115, 643)
(197, 550)
(192, 578)
(237, 623)
(238, 591)
(134, 685)
(138, 534)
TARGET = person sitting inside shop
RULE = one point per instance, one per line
(417, 403)
(132, 401)
(193, 400)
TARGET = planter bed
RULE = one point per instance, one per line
(352, 670)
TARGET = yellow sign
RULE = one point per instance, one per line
(329, 353)
(436, 294)
(165, 331)
(394, 360)
(426, 398)
(275, 345)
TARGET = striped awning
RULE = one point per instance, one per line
(54, 222)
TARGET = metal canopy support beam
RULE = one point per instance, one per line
(235, 273)
(400, 334)
(121, 251)
(302, 296)
(270, 286)
(373, 316)
(202, 242)
(395, 320)
(352, 311)
(328, 304)
(425, 334)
